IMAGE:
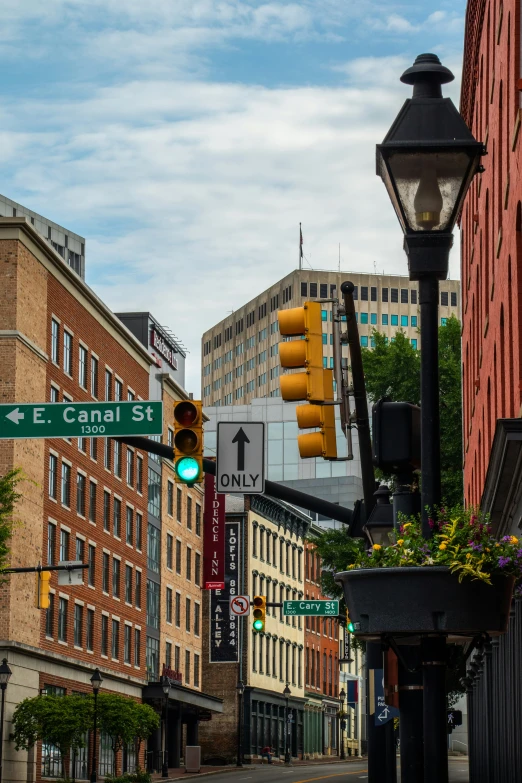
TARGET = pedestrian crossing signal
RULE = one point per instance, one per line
(259, 613)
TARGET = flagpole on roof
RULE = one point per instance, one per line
(300, 247)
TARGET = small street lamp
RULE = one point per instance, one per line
(342, 722)
(165, 765)
(286, 693)
(96, 681)
(240, 688)
(5, 676)
(379, 524)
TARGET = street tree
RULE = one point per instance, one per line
(125, 721)
(392, 369)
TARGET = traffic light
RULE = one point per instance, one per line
(349, 625)
(43, 587)
(396, 435)
(307, 353)
(259, 613)
(322, 443)
(315, 384)
(188, 442)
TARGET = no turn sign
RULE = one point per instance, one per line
(240, 605)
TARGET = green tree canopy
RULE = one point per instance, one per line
(392, 369)
(125, 721)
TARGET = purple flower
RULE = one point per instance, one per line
(473, 519)
(431, 523)
(476, 547)
(503, 561)
(519, 552)
(506, 539)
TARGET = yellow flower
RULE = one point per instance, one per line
(487, 549)
(377, 546)
(514, 540)
(497, 544)
(400, 542)
(443, 545)
(408, 524)
(468, 555)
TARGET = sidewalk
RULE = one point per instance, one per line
(176, 773)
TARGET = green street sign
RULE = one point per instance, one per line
(311, 607)
(77, 419)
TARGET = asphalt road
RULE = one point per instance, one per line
(331, 773)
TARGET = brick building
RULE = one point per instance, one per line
(271, 535)
(84, 498)
(321, 666)
(491, 229)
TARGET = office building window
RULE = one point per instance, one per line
(105, 573)
(94, 376)
(394, 294)
(384, 319)
(129, 527)
(80, 549)
(414, 343)
(404, 295)
(444, 298)
(168, 654)
(82, 367)
(373, 293)
(178, 556)
(53, 476)
(130, 467)
(64, 544)
(413, 294)
(304, 289)
(106, 510)
(189, 513)
(89, 630)
(127, 644)
(168, 605)
(116, 517)
(78, 625)
(118, 390)
(66, 484)
(137, 646)
(92, 565)
(137, 590)
(62, 619)
(170, 550)
(67, 353)
(364, 293)
(117, 458)
(55, 341)
(443, 321)
(404, 320)
(170, 498)
(139, 474)
(128, 584)
(373, 318)
(154, 493)
(189, 563)
(384, 294)
(197, 569)
(196, 670)
(187, 667)
(414, 320)
(313, 290)
(115, 649)
(198, 519)
(80, 494)
(453, 298)
(197, 617)
(105, 635)
(179, 503)
(108, 385)
(395, 320)
(364, 318)
(177, 609)
(92, 501)
(139, 530)
(116, 577)
(153, 548)
(153, 602)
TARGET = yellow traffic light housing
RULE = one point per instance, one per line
(259, 613)
(322, 443)
(43, 588)
(188, 442)
(306, 322)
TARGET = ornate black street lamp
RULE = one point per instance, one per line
(240, 688)
(342, 722)
(379, 524)
(5, 676)
(427, 162)
(286, 693)
(96, 681)
(165, 765)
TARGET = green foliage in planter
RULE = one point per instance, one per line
(462, 540)
(140, 776)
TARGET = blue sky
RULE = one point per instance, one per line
(186, 139)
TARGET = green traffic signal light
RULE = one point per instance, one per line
(187, 469)
(351, 627)
(258, 625)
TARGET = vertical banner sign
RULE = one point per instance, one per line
(213, 537)
(224, 638)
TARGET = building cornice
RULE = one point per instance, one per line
(21, 230)
(282, 515)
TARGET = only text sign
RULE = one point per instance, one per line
(240, 465)
(311, 607)
(81, 419)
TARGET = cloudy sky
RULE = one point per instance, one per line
(186, 139)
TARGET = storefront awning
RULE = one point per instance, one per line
(179, 693)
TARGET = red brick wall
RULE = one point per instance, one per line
(321, 635)
(491, 235)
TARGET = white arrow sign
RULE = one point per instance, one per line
(384, 714)
(240, 457)
(15, 416)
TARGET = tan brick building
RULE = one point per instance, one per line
(84, 498)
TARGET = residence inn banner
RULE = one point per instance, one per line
(213, 537)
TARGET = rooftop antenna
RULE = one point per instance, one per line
(339, 256)
(300, 247)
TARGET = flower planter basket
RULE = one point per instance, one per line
(422, 600)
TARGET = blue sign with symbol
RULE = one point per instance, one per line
(383, 713)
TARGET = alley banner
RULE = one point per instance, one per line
(213, 537)
(224, 626)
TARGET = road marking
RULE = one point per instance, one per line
(336, 775)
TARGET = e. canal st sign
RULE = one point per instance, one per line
(77, 419)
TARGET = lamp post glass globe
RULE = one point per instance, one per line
(5, 673)
(96, 680)
(187, 469)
